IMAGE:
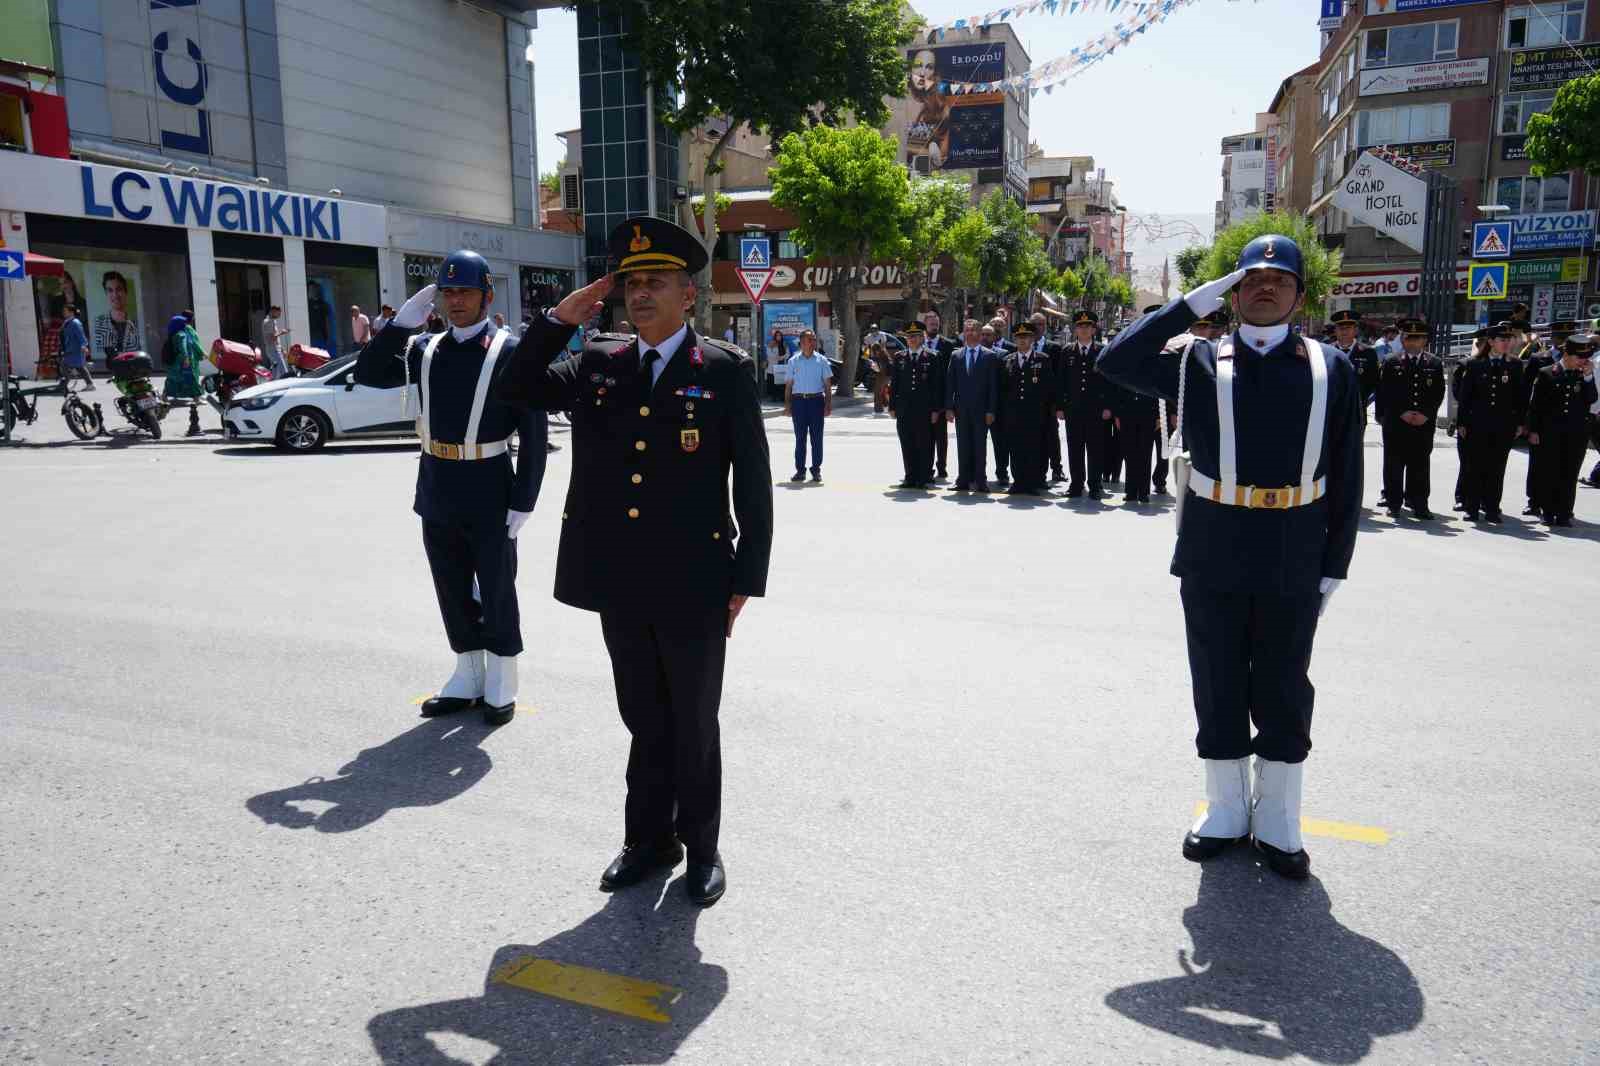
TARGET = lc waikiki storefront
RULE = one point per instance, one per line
(141, 245)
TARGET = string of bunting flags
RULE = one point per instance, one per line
(1046, 76)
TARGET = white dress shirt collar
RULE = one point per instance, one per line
(1263, 338)
(666, 349)
(466, 333)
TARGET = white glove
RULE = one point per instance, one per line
(1210, 296)
(1328, 587)
(515, 520)
(414, 312)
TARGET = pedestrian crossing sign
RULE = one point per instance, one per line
(1486, 281)
(755, 253)
(1491, 240)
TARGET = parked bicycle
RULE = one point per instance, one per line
(22, 405)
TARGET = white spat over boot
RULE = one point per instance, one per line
(499, 688)
(463, 690)
(1227, 816)
(1275, 817)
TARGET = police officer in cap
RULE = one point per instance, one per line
(916, 399)
(1273, 422)
(1410, 390)
(1490, 416)
(660, 420)
(1085, 397)
(1028, 398)
(1558, 422)
(471, 498)
(1535, 358)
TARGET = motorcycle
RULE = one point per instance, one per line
(239, 367)
(22, 406)
(138, 401)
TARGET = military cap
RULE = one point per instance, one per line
(1273, 251)
(1413, 327)
(1564, 325)
(1495, 329)
(1024, 329)
(1339, 318)
(1580, 345)
(914, 329)
(464, 269)
(1085, 317)
(647, 243)
(1219, 317)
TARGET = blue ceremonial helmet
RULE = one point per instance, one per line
(1273, 251)
(464, 270)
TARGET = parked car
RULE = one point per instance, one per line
(303, 414)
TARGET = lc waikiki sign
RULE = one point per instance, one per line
(89, 190)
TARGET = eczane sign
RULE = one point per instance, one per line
(1386, 198)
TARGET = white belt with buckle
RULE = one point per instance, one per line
(1253, 497)
(440, 450)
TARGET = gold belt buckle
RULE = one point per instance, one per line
(1272, 499)
(446, 451)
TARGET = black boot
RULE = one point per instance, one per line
(637, 861)
(1199, 849)
(1295, 865)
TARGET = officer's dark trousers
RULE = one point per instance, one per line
(1463, 468)
(669, 687)
(1483, 469)
(1085, 439)
(1112, 449)
(1052, 443)
(1138, 436)
(458, 552)
(1535, 479)
(1594, 438)
(916, 444)
(1026, 451)
(941, 446)
(1560, 465)
(1248, 656)
(1002, 448)
(972, 456)
(1406, 457)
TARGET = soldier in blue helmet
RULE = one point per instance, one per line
(471, 498)
(1273, 425)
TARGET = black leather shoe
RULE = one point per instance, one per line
(1199, 849)
(799, 475)
(637, 861)
(1471, 516)
(1531, 510)
(440, 705)
(499, 715)
(1096, 494)
(982, 486)
(1564, 521)
(1074, 492)
(1493, 518)
(1295, 865)
(1422, 514)
(706, 881)
(1394, 513)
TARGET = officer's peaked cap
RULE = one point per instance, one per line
(1085, 317)
(1413, 327)
(465, 269)
(647, 243)
(1273, 251)
(1348, 315)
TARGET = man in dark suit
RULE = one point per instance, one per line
(659, 422)
(972, 393)
(1052, 433)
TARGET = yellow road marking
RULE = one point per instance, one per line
(1317, 827)
(593, 988)
(426, 696)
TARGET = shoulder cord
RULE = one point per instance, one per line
(1183, 387)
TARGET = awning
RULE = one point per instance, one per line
(42, 266)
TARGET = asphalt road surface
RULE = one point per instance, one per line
(958, 753)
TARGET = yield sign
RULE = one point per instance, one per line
(755, 283)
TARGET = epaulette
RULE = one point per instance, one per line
(607, 344)
(739, 354)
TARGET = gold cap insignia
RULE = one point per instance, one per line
(1269, 252)
(640, 242)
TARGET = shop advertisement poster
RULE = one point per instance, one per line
(946, 129)
(1550, 68)
(788, 317)
(1424, 77)
(1555, 229)
(1514, 147)
(109, 306)
(1430, 155)
(1543, 303)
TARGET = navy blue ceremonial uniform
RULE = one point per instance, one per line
(650, 542)
(1086, 397)
(941, 432)
(1029, 397)
(1250, 576)
(1558, 412)
(463, 502)
(1409, 383)
(1490, 410)
(916, 395)
(1138, 414)
(1052, 432)
(1531, 365)
(1002, 442)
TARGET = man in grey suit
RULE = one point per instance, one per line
(971, 398)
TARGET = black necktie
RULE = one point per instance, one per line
(646, 372)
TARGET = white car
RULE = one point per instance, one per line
(302, 414)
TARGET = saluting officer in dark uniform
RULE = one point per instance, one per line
(916, 399)
(1347, 338)
(1084, 396)
(1558, 425)
(1410, 390)
(471, 500)
(1030, 396)
(1489, 418)
(659, 420)
(1273, 423)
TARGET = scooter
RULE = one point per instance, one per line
(138, 401)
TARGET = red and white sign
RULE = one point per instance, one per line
(755, 283)
(1381, 286)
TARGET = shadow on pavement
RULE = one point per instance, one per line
(1274, 974)
(638, 934)
(426, 765)
(267, 450)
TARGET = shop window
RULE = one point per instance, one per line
(1517, 108)
(1532, 195)
(1397, 46)
(1542, 24)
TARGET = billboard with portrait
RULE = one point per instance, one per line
(788, 317)
(949, 130)
(109, 309)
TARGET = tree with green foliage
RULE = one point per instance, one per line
(933, 206)
(848, 193)
(1095, 276)
(1119, 293)
(550, 182)
(1321, 265)
(1188, 263)
(998, 252)
(1067, 284)
(1567, 137)
(739, 60)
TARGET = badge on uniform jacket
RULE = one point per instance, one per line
(696, 359)
(595, 379)
(689, 439)
(695, 392)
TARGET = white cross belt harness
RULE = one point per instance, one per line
(470, 449)
(1226, 488)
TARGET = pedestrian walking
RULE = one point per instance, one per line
(1030, 396)
(361, 326)
(808, 400)
(385, 316)
(666, 429)
(1558, 425)
(972, 395)
(1084, 406)
(74, 350)
(272, 334)
(1410, 390)
(1273, 423)
(916, 390)
(1490, 416)
(472, 500)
